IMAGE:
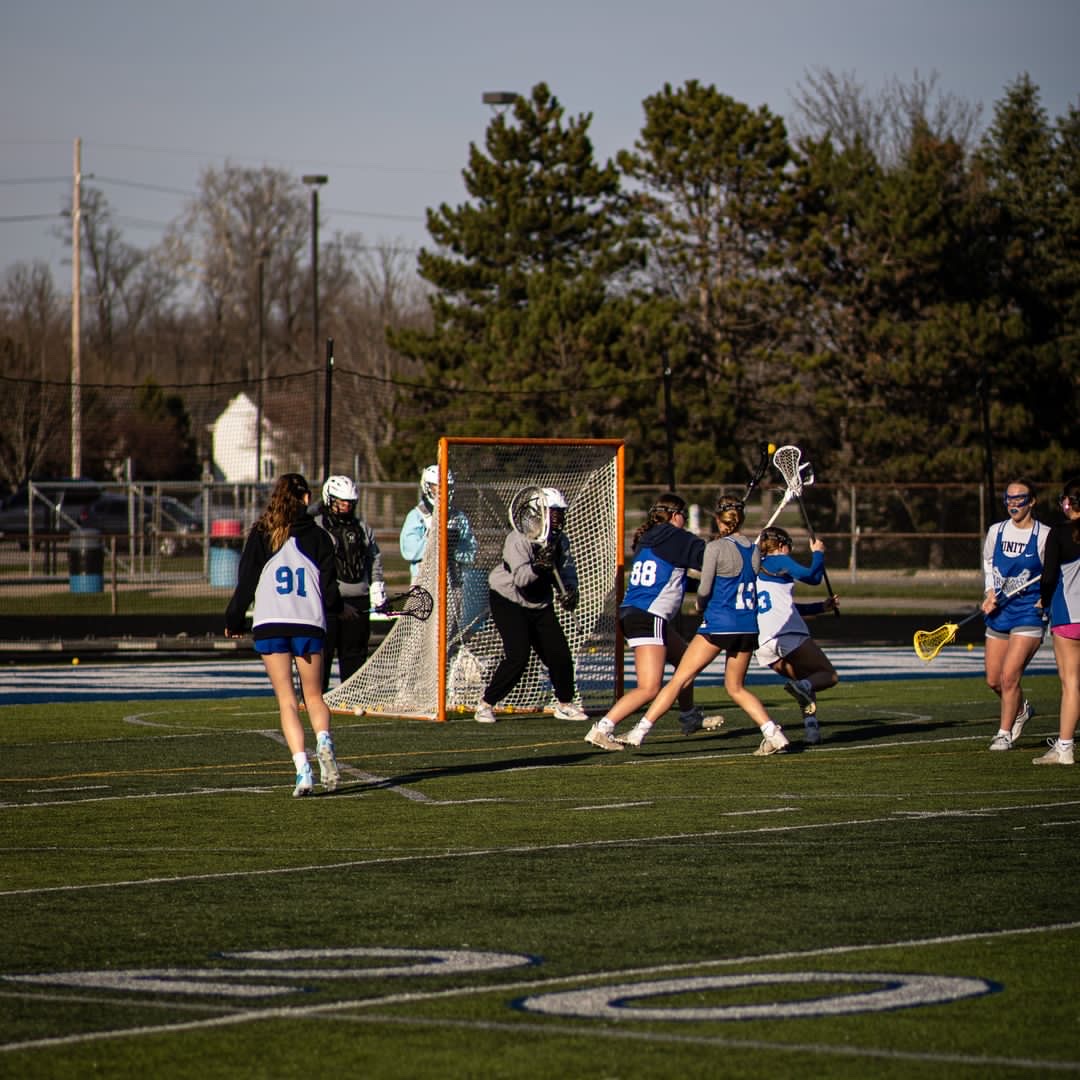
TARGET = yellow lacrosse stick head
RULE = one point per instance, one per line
(928, 643)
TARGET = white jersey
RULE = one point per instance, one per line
(289, 589)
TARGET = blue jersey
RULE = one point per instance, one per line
(732, 604)
(1012, 559)
(657, 578)
(777, 611)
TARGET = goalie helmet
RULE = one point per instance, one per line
(429, 486)
(340, 487)
(343, 489)
(555, 504)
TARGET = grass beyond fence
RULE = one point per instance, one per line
(506, 901)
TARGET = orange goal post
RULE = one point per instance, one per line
(438, 669)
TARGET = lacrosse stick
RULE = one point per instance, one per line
(417, 603)
(788, 462)
(763, 463)
(928, 643)
(806, 478)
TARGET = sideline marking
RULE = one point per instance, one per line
(52, 683)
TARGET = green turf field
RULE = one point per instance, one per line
(506, 901)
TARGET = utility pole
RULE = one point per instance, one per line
(315, 182)
(76, 327)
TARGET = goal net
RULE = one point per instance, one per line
(439, 668)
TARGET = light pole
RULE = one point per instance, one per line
(315, 182)
(499, 100)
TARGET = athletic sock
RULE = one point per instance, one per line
(300, 760)
(644, 725)
(768, 729)
(1002, 731)
(607, 726)
(1065, 744)
(323, 736)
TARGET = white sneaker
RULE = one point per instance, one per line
(811, 731)
(803, 693)
(1001, 741)
(303, 782)
(634, 737)
(1056, 755)
(712, 723)
(567, 710)
(602, 739)
(1022, 717)
(485, 714)
(776, 743)
(329, 775)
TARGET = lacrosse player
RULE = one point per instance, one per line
(288, 569)
(359, 573)
(727, 596)
(522, 594)
(1060, 596)
(1013, 553)
(784, 641)
(663, 551)
(418, 521)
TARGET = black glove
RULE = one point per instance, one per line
(569, 599)
(543, 556)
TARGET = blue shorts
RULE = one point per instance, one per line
(296, 646)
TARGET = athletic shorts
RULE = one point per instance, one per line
(775, 649)
(1069, 630)
(1038, 631)
(643, 628)
(732, 644)
(296, 646)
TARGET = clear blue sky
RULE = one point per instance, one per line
(385, 97)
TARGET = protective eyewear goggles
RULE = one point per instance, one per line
(1016, 500)
(730, 504)
(1070, 502)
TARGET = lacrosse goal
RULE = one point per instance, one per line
(439, 668)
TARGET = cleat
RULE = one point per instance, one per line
(803, 693)
(570, 711)
(1022, 717)
(485, 714)
(303, 782)
(1056, 755)
(1001, 741)
(811, 731)
(634, 737)
(776, 743)
(329, 774)
(692, 720)
(602, 739)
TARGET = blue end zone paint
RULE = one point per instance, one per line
(148, 680)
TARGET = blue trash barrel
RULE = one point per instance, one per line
(226, 539)
(86, 561)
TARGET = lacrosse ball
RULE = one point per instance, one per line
(74, 661)
(772, 448)
(970, 646)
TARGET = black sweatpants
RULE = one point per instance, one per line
(348, 638)
(525, 630)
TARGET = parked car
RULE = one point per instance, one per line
(57, 509)
(165, 523)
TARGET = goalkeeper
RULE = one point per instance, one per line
(360, 576)
(417, 525)
(522, 593)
